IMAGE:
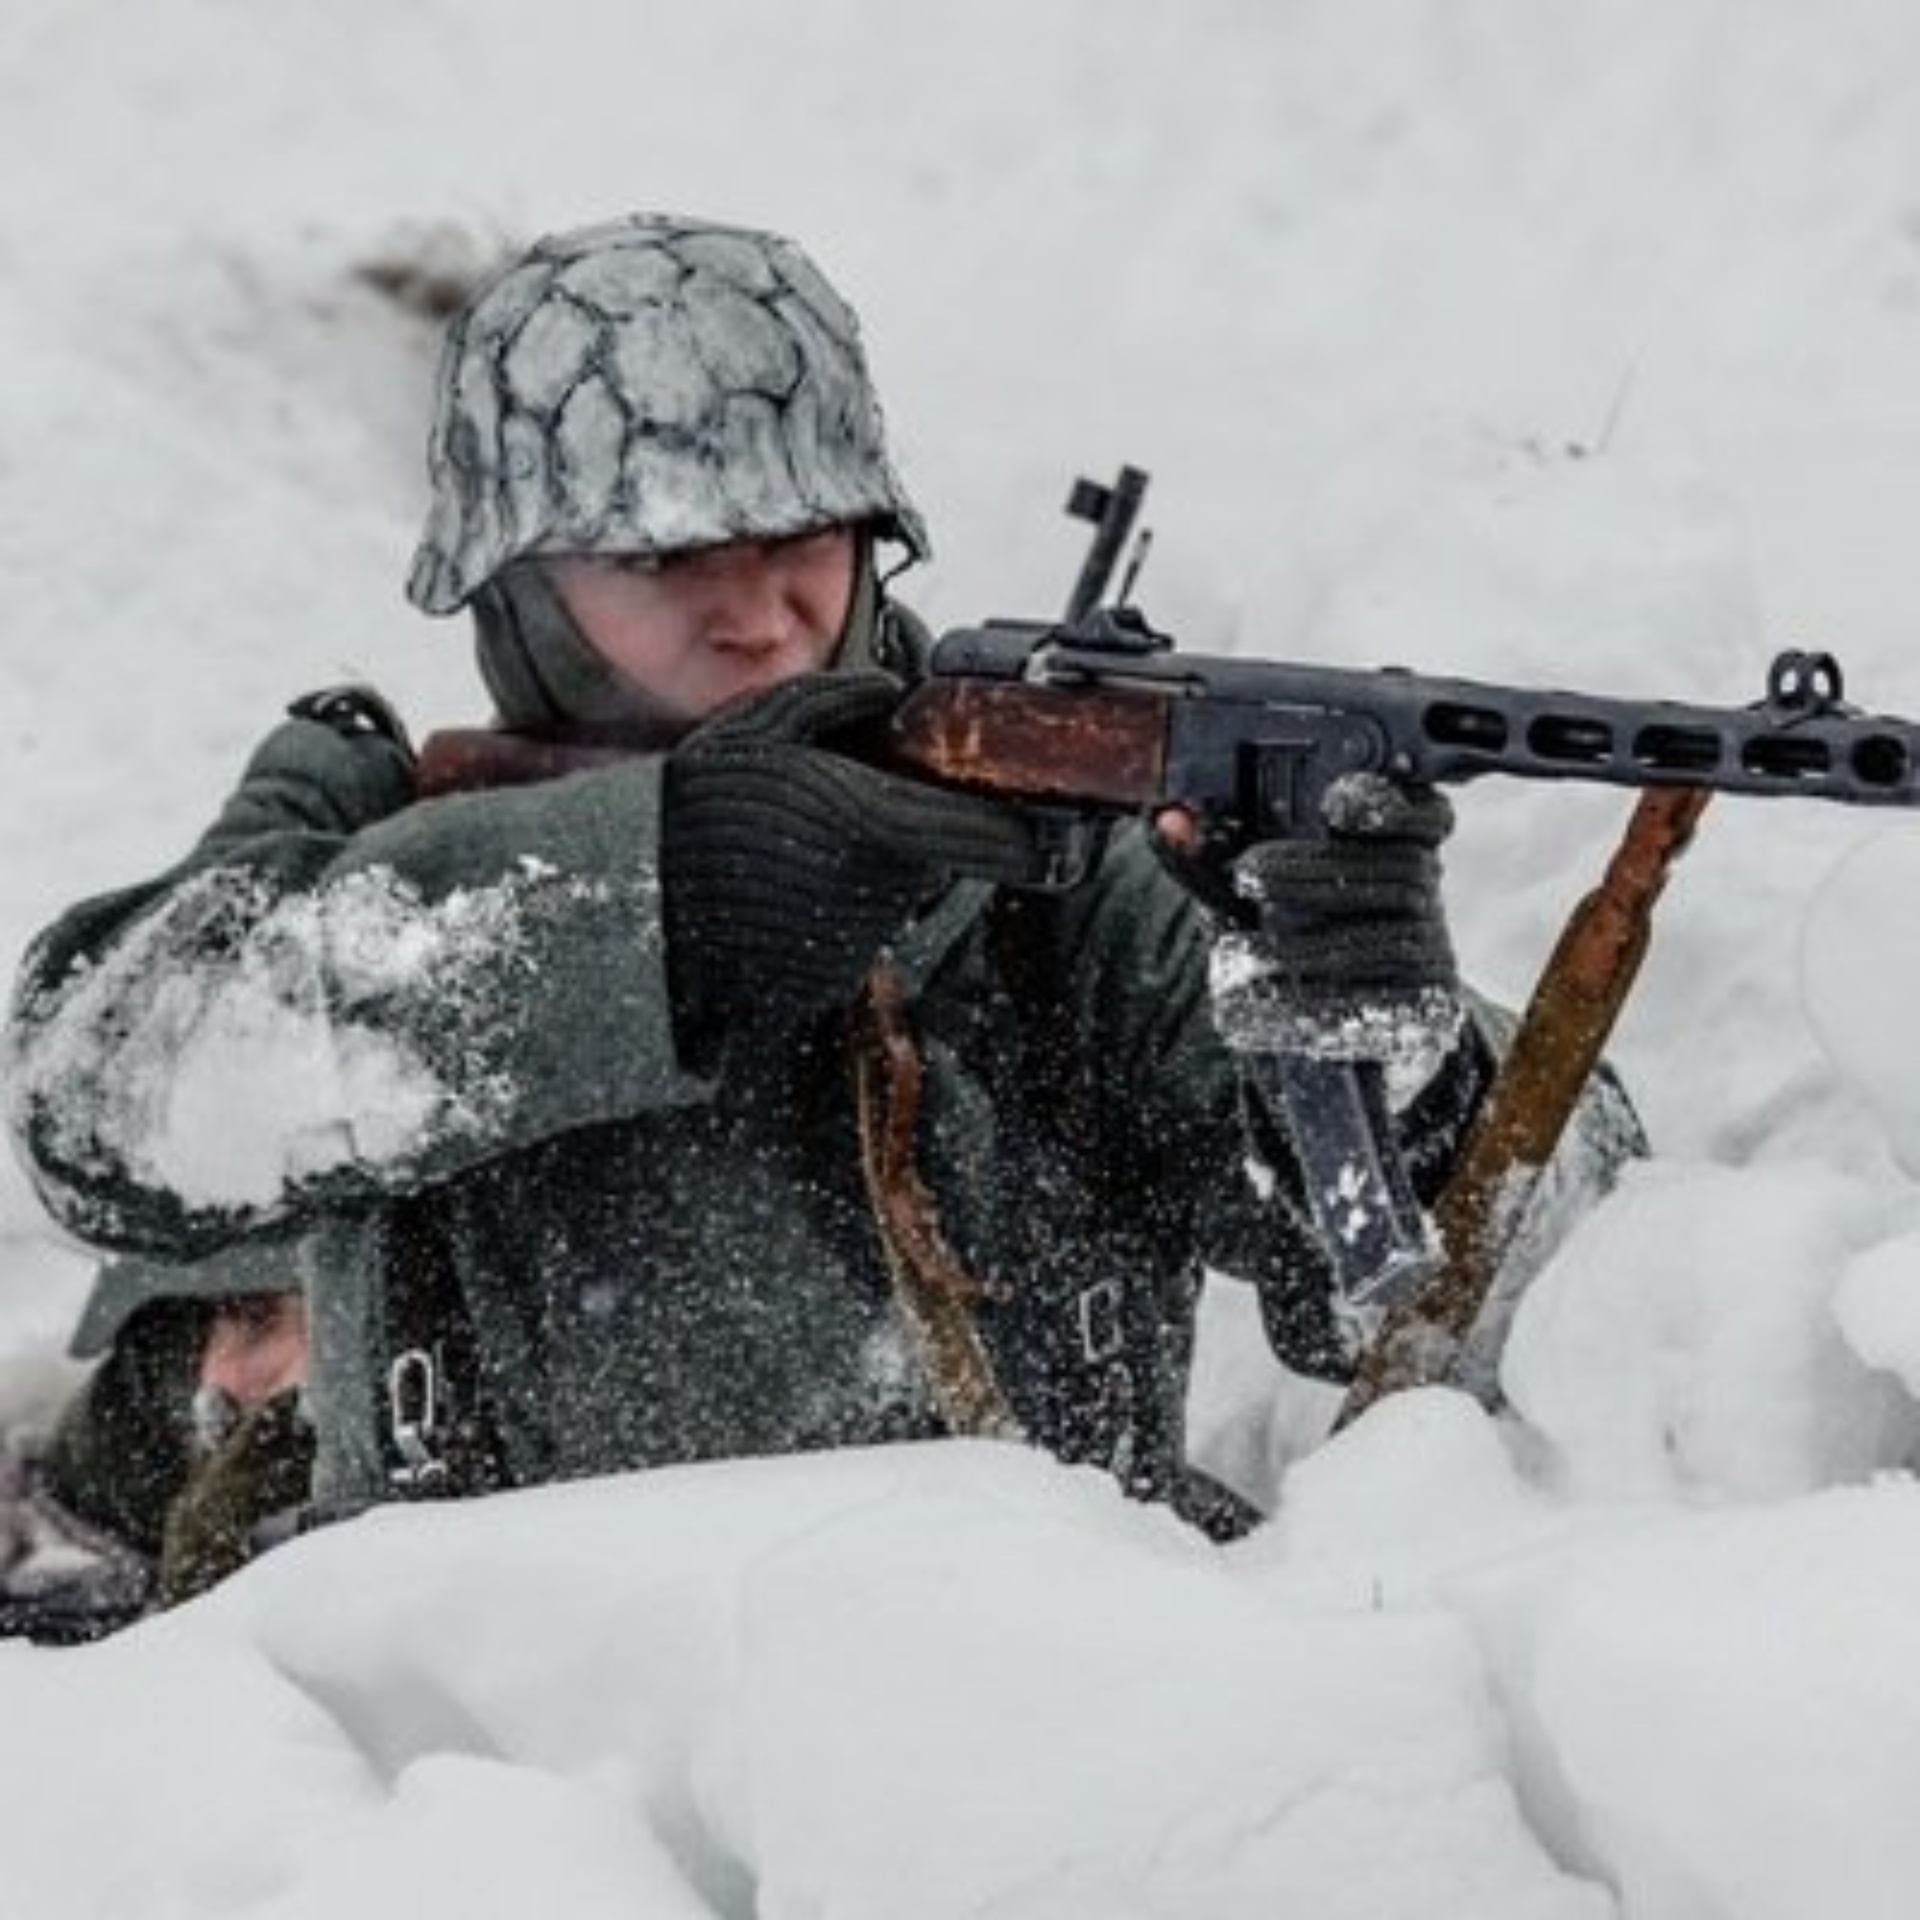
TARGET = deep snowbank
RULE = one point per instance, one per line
(961, 1680)
(937, 1681)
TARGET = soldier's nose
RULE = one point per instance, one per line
(256, 1354)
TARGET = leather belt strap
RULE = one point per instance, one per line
(932, 1291)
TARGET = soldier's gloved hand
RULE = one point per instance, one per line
(262, 1468)
(788, 866)
(1337, 947)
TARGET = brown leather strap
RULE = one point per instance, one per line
(934, 1293)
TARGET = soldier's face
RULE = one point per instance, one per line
(256, 1347)
(698, 629)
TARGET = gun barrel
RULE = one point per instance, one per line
(1825, 754)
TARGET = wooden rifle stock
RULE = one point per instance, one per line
(1092, 747)
(475, 759)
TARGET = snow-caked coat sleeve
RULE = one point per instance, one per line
(341, 995)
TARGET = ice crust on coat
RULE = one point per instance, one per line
(296, 1043)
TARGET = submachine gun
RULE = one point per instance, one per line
(1101, 713)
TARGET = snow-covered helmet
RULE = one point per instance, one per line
(650, 385)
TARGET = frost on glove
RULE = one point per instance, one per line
(1339, 946)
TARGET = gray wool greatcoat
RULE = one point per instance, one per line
(435, 1038)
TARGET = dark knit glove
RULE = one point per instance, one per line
(1340, 947)
(787, 866)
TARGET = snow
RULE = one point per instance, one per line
(1035, 1700)
(276, 1020)
(1571, 346)
(1712, 1360)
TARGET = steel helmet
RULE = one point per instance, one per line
(646, 386)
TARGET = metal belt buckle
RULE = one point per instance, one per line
(413, 1418)
(1102, 1326)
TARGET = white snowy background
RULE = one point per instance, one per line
(1572, 343)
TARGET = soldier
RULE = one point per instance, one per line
(184, 1439)
(558, 1079)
